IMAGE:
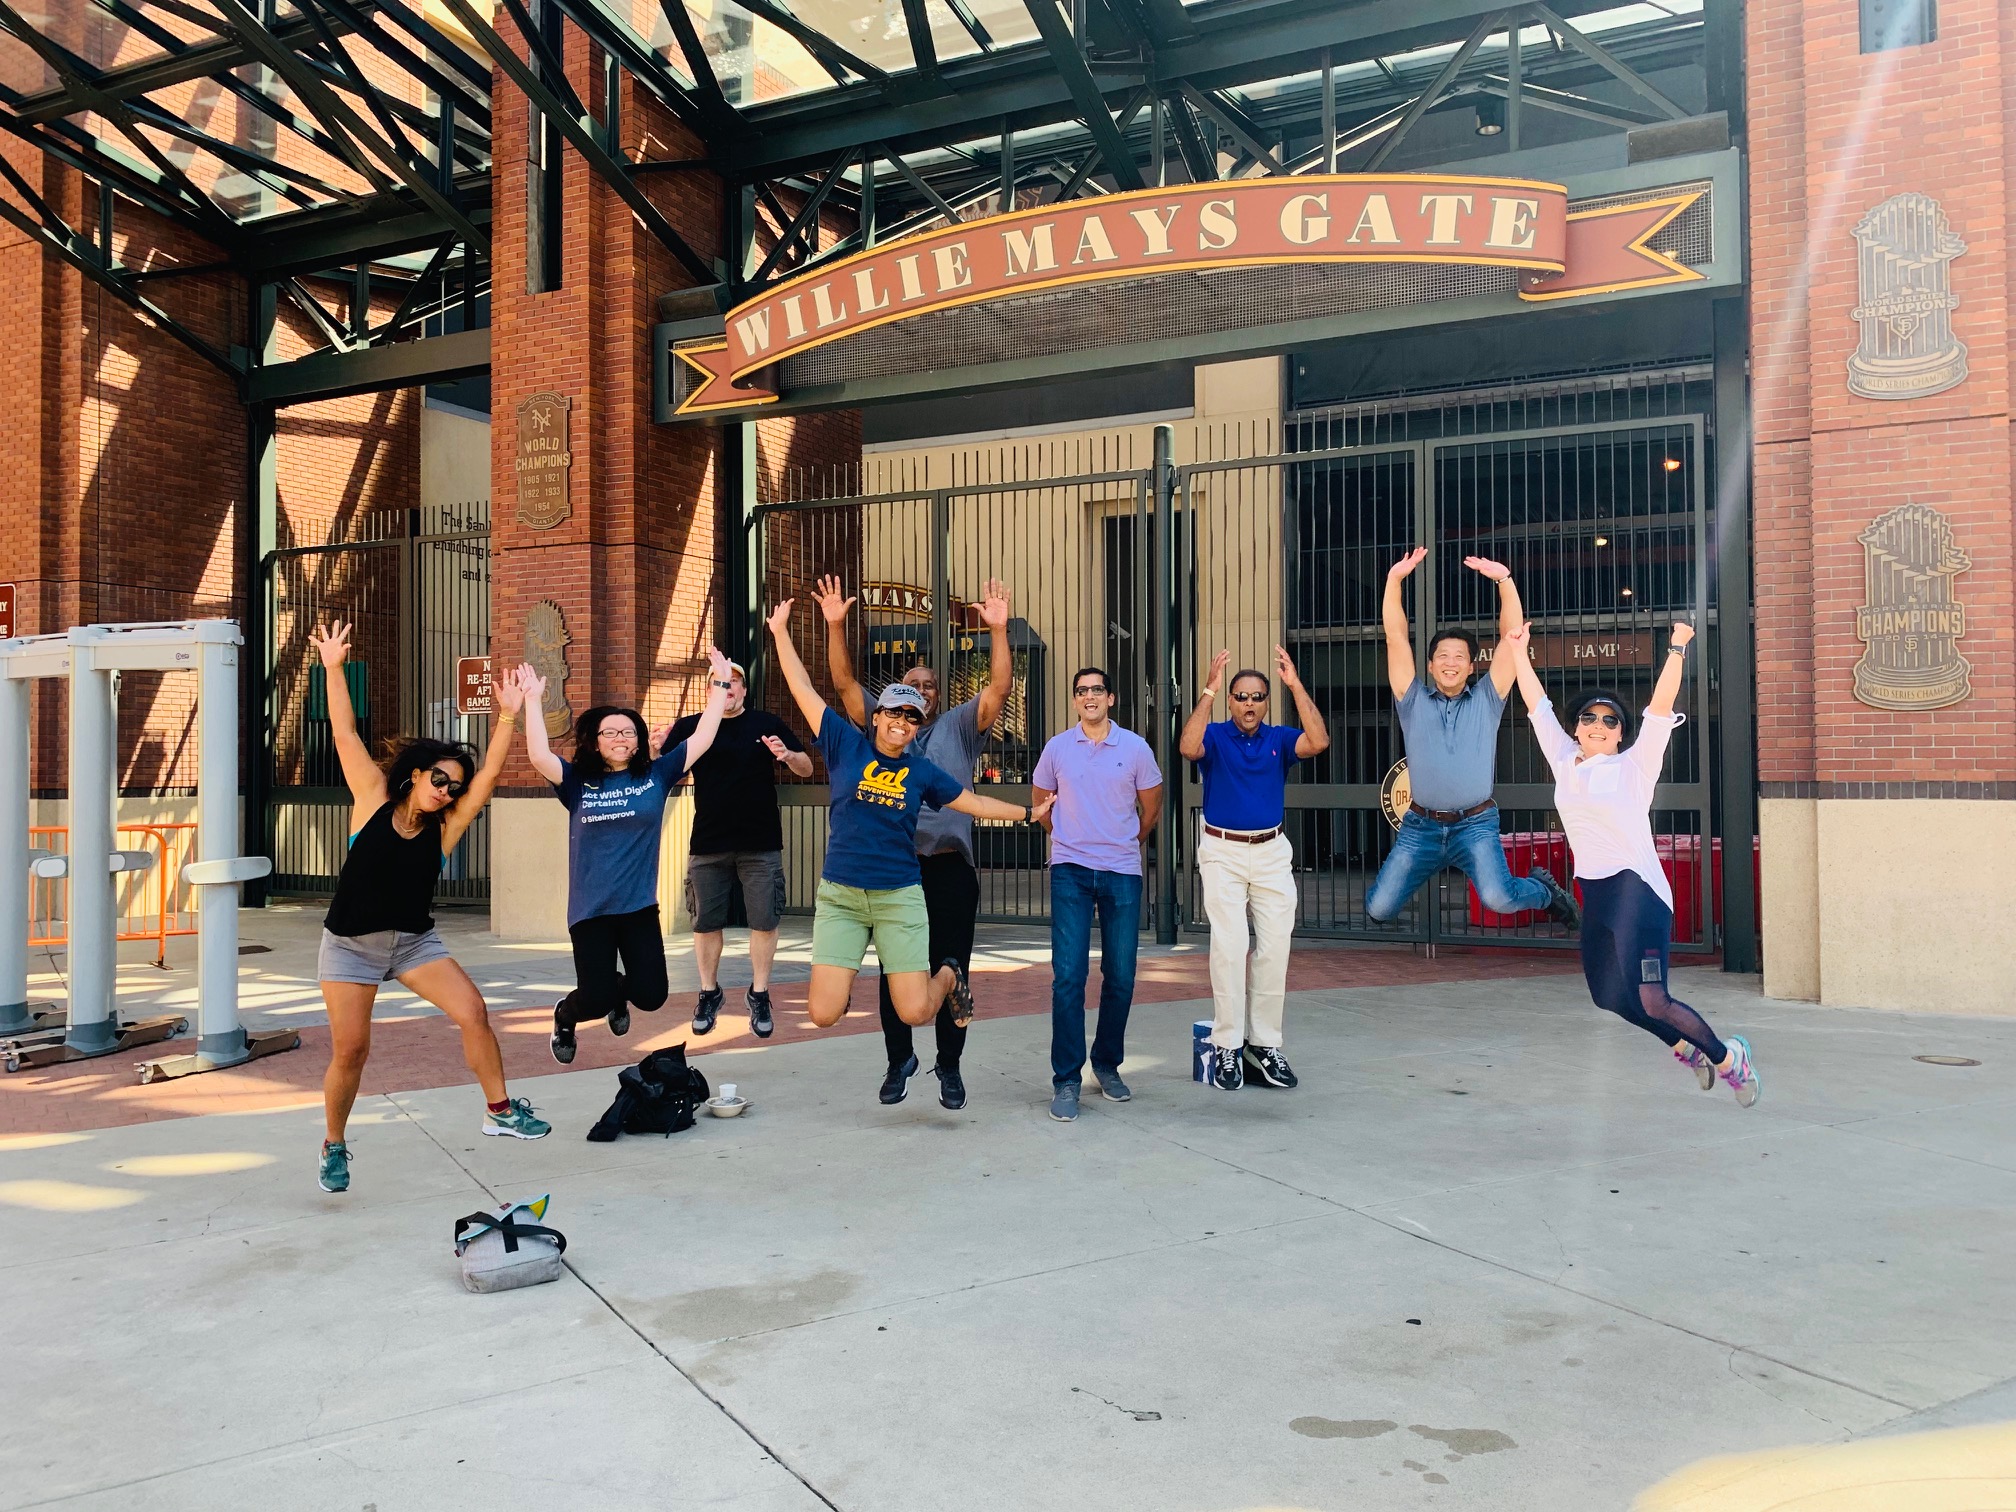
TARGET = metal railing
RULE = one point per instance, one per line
(154, 904)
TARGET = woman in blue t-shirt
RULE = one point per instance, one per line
(615, 796)
(870, 886)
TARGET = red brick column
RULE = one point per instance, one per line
(1885, 830)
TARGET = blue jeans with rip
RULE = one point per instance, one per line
(1424, 846)
(1076, 894)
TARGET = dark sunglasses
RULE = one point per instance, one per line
(454, 787)
(1249, 698)
(1085, 688)
(1590, 717)
(908, 716)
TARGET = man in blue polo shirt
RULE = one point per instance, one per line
(1450, 726)
(1245, 862)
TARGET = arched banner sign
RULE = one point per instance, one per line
(1344, 218)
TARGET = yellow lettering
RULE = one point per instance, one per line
(1155, 228)
(952, 270)
(913, 286)
(1512, 223)
(1442, 210)
(1029, 251)
(822, 307)
(1216, 227)
(1375, 223)
(1301, 227)
(1094, 245)
(867, 297)
(794, 318)
(754, 329)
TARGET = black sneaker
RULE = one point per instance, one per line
(1228, 1075)
(896, 1085)
(562, 1040)
(1562, 909)
(619, 1019)
(951, 1087)
(1269, 1065)
(706, 1011)
(759, 1013)
(961, 995)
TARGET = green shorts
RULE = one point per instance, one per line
(845, 918)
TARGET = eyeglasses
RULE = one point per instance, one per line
(1249, 698)
(625, 733)
(1085, 688)
(1591, 717)
(454, 787)
(908, 716)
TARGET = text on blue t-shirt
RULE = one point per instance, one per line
(875, 798)
(612, 836)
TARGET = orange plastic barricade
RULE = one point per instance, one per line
(153, 904)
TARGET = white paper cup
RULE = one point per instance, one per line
(727, 1093)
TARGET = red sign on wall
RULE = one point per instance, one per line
(6, 610)
(473, 692)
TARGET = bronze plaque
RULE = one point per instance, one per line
(545, 460)
(1395, 793)
(1905, 302)
(1910, 623)
(546, 641)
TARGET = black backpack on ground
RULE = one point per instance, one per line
(658, 1095)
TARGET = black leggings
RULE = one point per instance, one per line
(1627, 932)
(951, 898)
(599, 943)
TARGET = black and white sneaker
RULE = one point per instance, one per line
(1228, 1075)
(896, 1085)
(1562, 907)
(619, 1020)
(760, 1022)
(961, 995)
(562, 1040)
(951, 1087)
(1269, 1066)
(706, 1011)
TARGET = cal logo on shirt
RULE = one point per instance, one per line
(880, 785)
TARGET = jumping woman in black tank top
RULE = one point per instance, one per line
(403, 823)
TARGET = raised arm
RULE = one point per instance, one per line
(537, 747)
(510, 694)
(796, 678)
(970, 802)
(1399, 633)
(1190, 744)
(360, 773)
(1000, 658)
(1516, 647)
(833, 606)
(719, 675)
(1667, 688)
(1315, 737)
(1511, 613)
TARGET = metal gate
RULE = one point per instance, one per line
(1605, 528)
(419, 600)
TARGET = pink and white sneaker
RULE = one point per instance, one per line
(1740, 1073)
(1702, 1067)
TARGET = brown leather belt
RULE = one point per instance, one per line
(1242, 837)
(1451, 816)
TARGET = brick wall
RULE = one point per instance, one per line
(1833, 133)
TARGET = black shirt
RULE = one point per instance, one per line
(735, 784)
(387, 881)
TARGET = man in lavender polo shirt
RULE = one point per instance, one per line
(1109, 795)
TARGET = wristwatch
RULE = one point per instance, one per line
(1028, 813)
(1676, 649)
(720, 684)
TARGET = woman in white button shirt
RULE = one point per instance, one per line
(1603, 793)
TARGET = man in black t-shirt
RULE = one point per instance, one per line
(737, 840)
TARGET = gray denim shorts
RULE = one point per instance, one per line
(383, 956)
(712, 881)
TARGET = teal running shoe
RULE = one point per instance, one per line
(516, 1122)
(1702, 1067)
(1741, 1074)
(335, 1173)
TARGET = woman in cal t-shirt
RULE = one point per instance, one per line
(1603, 793)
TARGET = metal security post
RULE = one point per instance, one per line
(22, 661)
(93, 928)
(1164, 682)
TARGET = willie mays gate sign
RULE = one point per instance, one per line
(1282, 243)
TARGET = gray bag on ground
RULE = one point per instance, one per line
(501, 1249)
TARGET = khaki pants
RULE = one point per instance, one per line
(1238, 879)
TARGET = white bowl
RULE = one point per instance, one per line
(721, 1109)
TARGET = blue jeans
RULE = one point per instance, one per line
(1423, 847)
(1075, 893)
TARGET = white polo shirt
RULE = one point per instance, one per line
(1605, 802)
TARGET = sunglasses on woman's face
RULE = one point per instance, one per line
(1591, 717)
(454, 787)
(908, 716)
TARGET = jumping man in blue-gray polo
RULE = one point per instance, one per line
(1450, 726)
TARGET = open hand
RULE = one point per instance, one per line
(331, 644)
(994, 605)
(509, 692)
(832, 599)
(1496, 571)
(658, 738)
(1406, 565)
(1038, 810)
(531, 682)
(1682, 633)
(718, 666)
(1219, 663)
(1284, 668)
(779, 619)
(776, 747)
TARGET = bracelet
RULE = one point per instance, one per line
(1676, 650)
(1028, 813)
(507, 718)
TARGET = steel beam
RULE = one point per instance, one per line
(1085, 93)
(401, 364)
(1434, 91)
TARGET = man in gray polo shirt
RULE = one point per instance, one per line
(1450, 727)
(950, 741)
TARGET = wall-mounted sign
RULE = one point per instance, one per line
(1910, 622)
(1586, 648)
(546, 641)
(1905, 302)
(908, 601)
(7, 616)
(1396, 792)
(1521, 224)
(473, 691)
(545, 460)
